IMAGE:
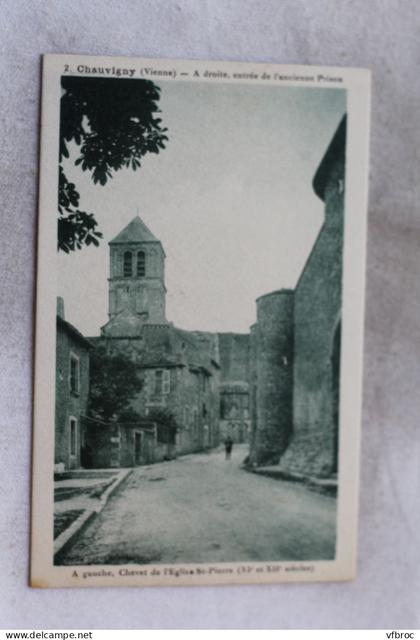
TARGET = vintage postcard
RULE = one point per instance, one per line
(198, 376)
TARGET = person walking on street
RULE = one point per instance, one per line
(228, 447)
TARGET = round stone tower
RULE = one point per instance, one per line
(274, 376)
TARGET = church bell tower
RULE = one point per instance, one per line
(137, 274)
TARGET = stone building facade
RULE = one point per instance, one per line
(235, 419)
(295, 346)
(71, 394)
(119, 444)
(180, 369)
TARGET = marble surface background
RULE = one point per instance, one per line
(380, 34)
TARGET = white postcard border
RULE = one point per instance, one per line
(43, 572)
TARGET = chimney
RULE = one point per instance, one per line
(60, 308)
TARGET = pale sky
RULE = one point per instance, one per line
(230, 198)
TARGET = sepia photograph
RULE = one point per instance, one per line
(199, 324)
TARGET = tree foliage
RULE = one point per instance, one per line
(114, 383)
(163, 416)
(113, 123)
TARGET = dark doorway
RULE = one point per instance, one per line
(137, 447)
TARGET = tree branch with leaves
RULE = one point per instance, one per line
(112, 123)
(115, 381)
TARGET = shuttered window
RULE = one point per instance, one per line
(166, 387)
(158, 382)
(74, 378)
(73, 436)
(141, 264)
(162, 382)
(128, 264)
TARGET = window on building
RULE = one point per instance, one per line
(166, 382)
(158, 382)
(230, 404)
(128, 264)
(74, 373)
(162, 382)
(73, 436)
(141, 264)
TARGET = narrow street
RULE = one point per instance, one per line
(203, 508)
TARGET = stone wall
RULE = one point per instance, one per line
(317, 312)
(253, 390)
(272, 377)
(234, 410)
(234, 414)
(234, 357)
(115, 445)
(69, 404)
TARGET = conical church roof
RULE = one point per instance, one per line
(135, 231)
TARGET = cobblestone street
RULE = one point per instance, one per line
(203, 508)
